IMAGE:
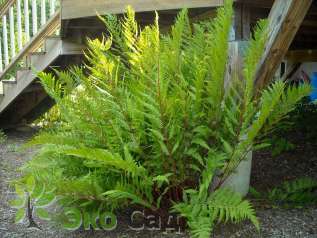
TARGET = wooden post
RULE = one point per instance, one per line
(285, 18)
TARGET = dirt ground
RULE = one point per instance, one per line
(267, 172)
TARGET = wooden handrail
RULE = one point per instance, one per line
(4, 8)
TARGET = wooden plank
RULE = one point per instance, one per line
(79, 8)
(285, 18)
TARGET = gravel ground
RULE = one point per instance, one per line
(277, 223)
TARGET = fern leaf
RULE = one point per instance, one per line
(107, 159)
(226, 205)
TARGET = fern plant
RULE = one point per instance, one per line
(296, 193)
(152, 123)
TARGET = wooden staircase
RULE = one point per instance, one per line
(21, 96)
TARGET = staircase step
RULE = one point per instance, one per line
(22, 73)
(50, 42)
(9, 81)
(8, 85)
(34, 58)
(70, 47)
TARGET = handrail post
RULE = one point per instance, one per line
(19, 25)
(34, 17)
(27, 20)
(43, 12)
(52, 7)
(12, 32)
(5, 40)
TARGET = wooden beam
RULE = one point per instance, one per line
(79, 8)
(285, 18)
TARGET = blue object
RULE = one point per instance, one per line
(313, 95)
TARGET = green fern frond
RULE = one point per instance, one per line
(252, 57)
(288, 102)
(270, 98)
(225, 205)
(220, 31)
(108, 159)
(51, 85)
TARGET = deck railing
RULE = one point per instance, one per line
(24, 25)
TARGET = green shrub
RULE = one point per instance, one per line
(153, 116)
